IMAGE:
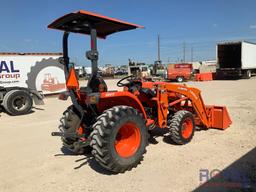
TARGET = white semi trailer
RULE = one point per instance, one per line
(236, 59)
(25, 77)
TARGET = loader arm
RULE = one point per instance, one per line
(194, 95)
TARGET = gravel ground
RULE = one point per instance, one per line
(32, 160)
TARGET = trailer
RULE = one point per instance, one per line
(236, 59)
(179, 72)
(27, 77)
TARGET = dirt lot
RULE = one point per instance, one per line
(31, 160)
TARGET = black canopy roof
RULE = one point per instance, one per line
(80, 22)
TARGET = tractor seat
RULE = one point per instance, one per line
(149, 92)
(94, 83)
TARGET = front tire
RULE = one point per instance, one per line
(182, 127)
(119, 139)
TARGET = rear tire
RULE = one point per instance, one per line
(247, 74)
(119, 139)
(70, 123)
(182, 127)
(17, 102)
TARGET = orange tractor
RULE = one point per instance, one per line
(116, 124)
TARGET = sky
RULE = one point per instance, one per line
(180, 23)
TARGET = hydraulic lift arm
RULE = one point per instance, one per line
(210, 116)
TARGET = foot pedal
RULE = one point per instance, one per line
(59, 134)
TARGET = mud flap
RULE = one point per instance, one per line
(220, 118)
(37, 97)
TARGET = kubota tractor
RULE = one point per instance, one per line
(116, 124)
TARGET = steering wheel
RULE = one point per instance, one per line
(128, 78)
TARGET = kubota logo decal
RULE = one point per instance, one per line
(8, 71)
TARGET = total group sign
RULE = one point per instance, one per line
(38, 72)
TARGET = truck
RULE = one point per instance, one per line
(80, 71)
(179, 72)
(138, 69)
(27, 77)
(236, 59)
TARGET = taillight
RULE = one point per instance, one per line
(101, 88)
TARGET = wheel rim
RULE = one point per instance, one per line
(180, 79)
(187, 128)
(127, 140)
(19, 103)
(80, 130)
(249, 74)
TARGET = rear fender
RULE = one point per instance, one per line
(111, 99)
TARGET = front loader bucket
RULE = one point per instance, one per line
(219, 117)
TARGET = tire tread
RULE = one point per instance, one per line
(102, 130)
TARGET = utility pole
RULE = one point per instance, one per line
(184, 52)
(158, 62)
(158, 48)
